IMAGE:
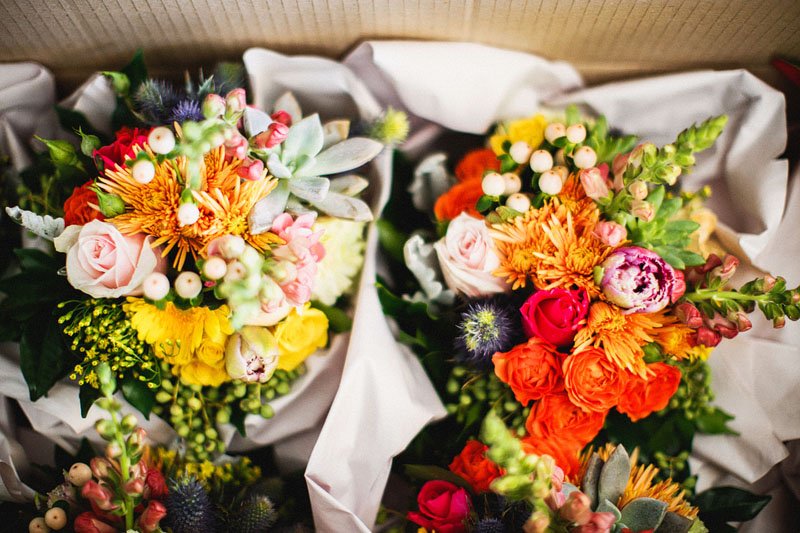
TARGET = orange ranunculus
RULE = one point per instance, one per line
(77, 209)
(531, 369)
(564, 452)
(642, 397)
(593, 383)
(472, 465)
(461, 198)
(556, 418)
(476, 163)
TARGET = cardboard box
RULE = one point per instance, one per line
(604, 39)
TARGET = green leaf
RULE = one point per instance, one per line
(43, 358)
(136, 70)
(484, 203)
(397, 307)
(729, 504)
(37, 260)
(668, 254)
(656, 197)
(715, 423)
(72, 120)
(392, 239)
(685, 226)
(139, 395)
(237, 420)
(430, 472)
(643, 513)
(337, 318)
(572, 115)
(87, 397)
(614, 475)
(691, 259)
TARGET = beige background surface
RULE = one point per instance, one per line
(603, 39)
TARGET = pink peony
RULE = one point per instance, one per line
(638, 280)
(104, 263)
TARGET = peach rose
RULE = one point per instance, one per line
(476, 163)
(460, 198)
(565, 453)
(104, 263)
(532, 370)
(556, 418)
(642, 397)
(472, 465)
(593, 383)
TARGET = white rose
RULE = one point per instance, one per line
(104, 263)
(468, 258)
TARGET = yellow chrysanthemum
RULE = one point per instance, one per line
(191, 340)
(530, 130)
(640, 484)
(620, 336)
(224, 201)
(553, 246)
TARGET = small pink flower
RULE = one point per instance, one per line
(274, 135)
(595, 185)
(236, 100)
(303, 250)
(100, 496)
(91, 523)
(726, 270)
(722, 325)
(236, 147)
(741, 320)
(283, 117)
(152, 515)
(643, 209)
(251, 170)
(213, 106)
(679, 289)
(598, 523)
(611, 233)
(689, 315)
(577, 508)
(707, 337)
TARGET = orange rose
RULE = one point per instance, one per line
(475, 163)
(564, 452)
(531, 369)
(555, 418)
(461, 198)
(642, 397)
(593, 383)
(472, 465)
(77, 209)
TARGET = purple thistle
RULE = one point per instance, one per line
(486, 327)
(186, 110)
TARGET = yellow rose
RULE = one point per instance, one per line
(199, 373)
(530, 130)
(300, 335)
(212, 354)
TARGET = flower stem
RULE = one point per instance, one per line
(700, 295)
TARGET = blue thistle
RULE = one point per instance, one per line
(189, 507)
(255, 514)
(186, 110)
(154, 100)
(490, 525)
(486, 327)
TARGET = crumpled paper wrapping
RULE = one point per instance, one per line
(467, 87)
(375, 396)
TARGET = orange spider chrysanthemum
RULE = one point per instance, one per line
(675, 338)
(621, 336)
(553, 246)
(224, 201)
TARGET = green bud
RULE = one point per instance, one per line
(195, 404)
(110, 205)
(119, 82)
(108, 384)
(61, 152)
(163, 396)
(223, 416)
(89, 143)
(183, 430)
(105, 428)
(266, 411)
(128, 423)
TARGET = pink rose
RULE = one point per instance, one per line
(468, 258)
(104, 263)
(556, 315)
(443, 507)
(611, 233)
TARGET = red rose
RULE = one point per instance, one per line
(555, 418)
(472, 465)
(443, 507)
(531, 369)
(115, 153)
(77, 209)
(642, 397)
(91, 523)
(555, 315)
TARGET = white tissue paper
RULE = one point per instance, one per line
(466, 87)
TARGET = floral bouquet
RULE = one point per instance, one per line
(204, 253)
(503, 486)
(564, 274)
(135, 487)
